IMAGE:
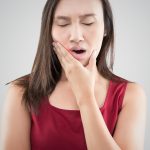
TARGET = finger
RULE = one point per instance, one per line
(66, 54)
(59, 57)
(62, 57)
(65, 57)
(62, 53)
(92, 61)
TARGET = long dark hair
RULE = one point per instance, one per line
(46, 70)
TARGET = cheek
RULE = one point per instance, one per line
(57, 34)
(97, 37)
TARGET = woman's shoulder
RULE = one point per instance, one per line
(14, 89)
(15, 93)
(134, 94)
(15, 117)
(134, 91)
(14, 96)
(14, 105)
(132, 118)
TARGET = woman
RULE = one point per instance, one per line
(71, 99)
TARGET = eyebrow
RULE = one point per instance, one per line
(81, 16)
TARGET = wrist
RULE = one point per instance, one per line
(86, 100)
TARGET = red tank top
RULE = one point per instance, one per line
(60, 129)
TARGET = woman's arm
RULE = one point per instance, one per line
(15, 129)
(131, 120)
(130, 130)
(129, 133)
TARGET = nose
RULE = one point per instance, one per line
(76, 34)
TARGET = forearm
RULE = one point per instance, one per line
(96, 133)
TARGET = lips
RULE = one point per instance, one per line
(78, 54)
(77, 48)
(79, 51)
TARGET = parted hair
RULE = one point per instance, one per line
(46, 70)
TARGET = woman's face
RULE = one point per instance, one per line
(70, 26)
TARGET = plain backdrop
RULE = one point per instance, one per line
(20, 22)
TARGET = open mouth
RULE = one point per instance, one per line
(79, 54)
(79, 51)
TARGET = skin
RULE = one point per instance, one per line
(130, 128)
(77, 33)
(79, 72)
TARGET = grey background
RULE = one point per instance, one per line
(19, 33)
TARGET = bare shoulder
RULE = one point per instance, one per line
(134, 93)
(130, 128)
(15, 91)
(15, 120)
(14, 95)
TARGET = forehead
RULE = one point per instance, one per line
(79, 8)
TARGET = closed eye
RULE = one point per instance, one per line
(63, 25)
(87, 24)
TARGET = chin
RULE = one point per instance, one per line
(84, 62)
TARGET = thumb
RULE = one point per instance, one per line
(92, 61)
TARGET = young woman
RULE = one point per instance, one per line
(72, 100)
